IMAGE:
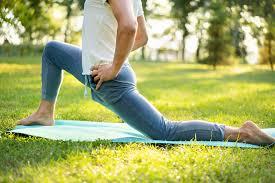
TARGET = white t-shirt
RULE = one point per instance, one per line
(99, 33)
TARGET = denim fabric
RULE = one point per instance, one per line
(122, 97)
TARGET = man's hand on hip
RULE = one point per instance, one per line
(101, 73)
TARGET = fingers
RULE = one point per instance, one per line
(99, 84)
(94, 73)
(96, 79)
(95, 67)
(99, 74)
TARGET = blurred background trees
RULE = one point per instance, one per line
(214, 32)
(219, 45)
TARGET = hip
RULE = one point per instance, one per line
(112, 90)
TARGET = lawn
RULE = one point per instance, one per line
(229, 95)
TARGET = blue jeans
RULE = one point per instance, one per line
(121, 96)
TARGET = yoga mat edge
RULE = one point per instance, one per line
(116, 132)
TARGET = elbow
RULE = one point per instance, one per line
(145, 40)
(129, 27)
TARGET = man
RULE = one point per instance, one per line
(111, 30)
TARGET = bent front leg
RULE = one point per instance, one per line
(58, 56)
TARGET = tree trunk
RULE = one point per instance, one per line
(66, 31)
(30, 36)
(198, 49)
(68, 16)
(143, 53)
(270, 54)
(183, 48)
(214, 66)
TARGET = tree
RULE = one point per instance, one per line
(32, 15)
(265, 10)
(237, 33)
(72, 8)
(265, 52)
(200, 30)
(5, 7)
(80, 4)
(219, 43)
(146, 12)
(267, 49)
(181, 10)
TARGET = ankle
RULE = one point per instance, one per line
(46, 113)
(232, 133)
(244, 133)
(46, 108)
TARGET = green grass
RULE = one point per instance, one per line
(229, 95)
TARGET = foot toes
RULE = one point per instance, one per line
(20, 122)
(25, 121)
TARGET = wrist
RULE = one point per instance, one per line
(115, 70)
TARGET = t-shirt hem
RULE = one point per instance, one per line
(83, 73)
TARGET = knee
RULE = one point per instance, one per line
(50, 46)
(161, 132)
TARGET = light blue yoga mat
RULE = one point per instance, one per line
(116, 132)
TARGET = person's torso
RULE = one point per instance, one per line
(99, 33)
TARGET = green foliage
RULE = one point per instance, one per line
(31, 16)
(267, 52)
(265, 10)
(70, 11)
(81, 4)
(224, 40)
(237, 32)
(180, 11)
(219, 44)
(228, 96)
(144, 6)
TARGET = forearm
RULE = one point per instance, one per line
(138, 44)
(124, 44)
(141, 38)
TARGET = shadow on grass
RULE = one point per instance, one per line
(238, 107)
(186, 74)
(188, 82)
(21, 60)
(171, 72)
(251, 77)
(19, 151)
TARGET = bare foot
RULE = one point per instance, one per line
(37, 118)
(251, 133)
